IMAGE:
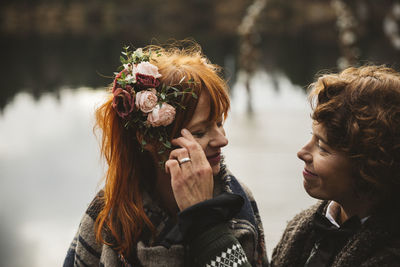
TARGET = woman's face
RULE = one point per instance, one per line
(327, 172)
(210, 135)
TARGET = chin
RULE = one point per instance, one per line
(215, 169)
(313, 191)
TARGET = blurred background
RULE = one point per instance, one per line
(57, 57)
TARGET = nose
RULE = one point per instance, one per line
(305, 154)
(218, 138)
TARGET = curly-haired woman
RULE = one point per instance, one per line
(352, 164)
(133, 221)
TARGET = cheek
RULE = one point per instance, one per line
(325, 167)
(203, 142)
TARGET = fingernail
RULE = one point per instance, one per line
(185, 131)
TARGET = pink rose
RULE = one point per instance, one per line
(161, 116)
(146, 100)
(123, 102)
(146, 68)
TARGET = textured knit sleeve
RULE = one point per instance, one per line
(260, 255)
(297, 240)
(205, 232)
(84, 249)
(216, 247)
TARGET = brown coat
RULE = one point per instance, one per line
(377, 243)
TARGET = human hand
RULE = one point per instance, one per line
(191, 180)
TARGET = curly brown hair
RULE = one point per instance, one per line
(360, 110)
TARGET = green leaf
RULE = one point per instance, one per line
(143, 142)
(176, 94)
(167, 144)
(194, 95)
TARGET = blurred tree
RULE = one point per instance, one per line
(47, 44)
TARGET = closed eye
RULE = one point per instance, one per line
(320, 147)
(198, 134)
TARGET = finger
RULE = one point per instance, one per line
(179, 153)
(195, 151)
(187, 134)
(172, 167)
(187, 140)
(185, 165)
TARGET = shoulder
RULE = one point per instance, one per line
(237, 186)
(305, 216)
(297, 238)
(247, 225)
(301, 223)
(249, 209)
(96, 205)
(376, 244)
(85, 249)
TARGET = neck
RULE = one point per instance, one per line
(361, 208)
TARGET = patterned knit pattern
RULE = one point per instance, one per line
(377, 243)
(246, 227)
(233, 256)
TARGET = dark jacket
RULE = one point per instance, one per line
(376, 243)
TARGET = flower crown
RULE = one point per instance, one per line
(140, 99)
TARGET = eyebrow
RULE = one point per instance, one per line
(200, 123)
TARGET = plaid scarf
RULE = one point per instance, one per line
(246, 226)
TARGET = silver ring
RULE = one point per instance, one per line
(181, 161)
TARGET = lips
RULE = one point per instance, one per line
(214, 159)
(308, 174)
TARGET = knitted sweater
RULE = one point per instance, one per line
(376, 243)
(245, 227)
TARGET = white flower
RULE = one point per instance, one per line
(128, 66)
(138, 52)
(130, 78)
(146, 68)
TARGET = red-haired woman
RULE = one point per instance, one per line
(134, 221)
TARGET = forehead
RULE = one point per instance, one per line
(319, 129)
(202, 111)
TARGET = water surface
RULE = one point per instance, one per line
(50, 165)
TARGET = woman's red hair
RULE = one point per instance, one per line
(122, 214)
